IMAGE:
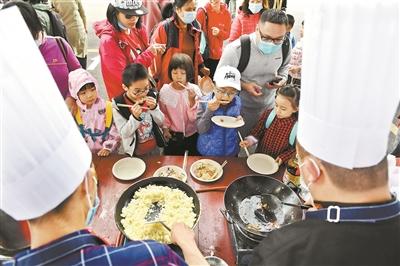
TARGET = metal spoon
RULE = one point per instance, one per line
(273, 202)
(153, 214)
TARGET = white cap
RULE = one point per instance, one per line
(227, 76)
(43, 156)
(350, 83)
(130, 7)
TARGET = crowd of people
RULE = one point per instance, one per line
(156, 106)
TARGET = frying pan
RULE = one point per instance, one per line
(243, 196)
(127, 196)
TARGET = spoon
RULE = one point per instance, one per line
(153, 214)
(273, 202)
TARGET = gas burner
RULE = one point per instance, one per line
(252, 239)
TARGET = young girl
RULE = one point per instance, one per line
(136, 112)
(94, 115)
(277, 127)
(213, 139)
(179, 104)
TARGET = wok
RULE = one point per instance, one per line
(243, 196)
(127, 196)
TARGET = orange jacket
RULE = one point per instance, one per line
(222, 21)
(243, 24)
(174, 41)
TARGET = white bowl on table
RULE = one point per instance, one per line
(172, 171)
(205, 162)
(129, 168)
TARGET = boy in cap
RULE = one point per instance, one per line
(47, 177)
(215, 140)
(342, 139)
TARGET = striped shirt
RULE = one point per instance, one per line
(83, 248)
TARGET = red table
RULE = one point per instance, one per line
(212, 229)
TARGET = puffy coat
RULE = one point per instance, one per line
(243, 24)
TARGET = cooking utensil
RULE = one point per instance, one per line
(161, 222)
(127, 196)
(265, 215)
(245, 148)
(274, 202)
(243, 196)
(153, 215)
(220, 170)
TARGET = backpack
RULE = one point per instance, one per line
(293, 133)
(57, 25)
(109, 120)
(245, 44)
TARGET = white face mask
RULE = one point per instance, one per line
(39, 41)
(188, 17)
(255, 7)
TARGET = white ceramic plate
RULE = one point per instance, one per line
(262, 164)
(171, 171)
(227, 121)
(205, 162)
(128, 168)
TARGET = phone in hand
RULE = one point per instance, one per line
(275, 80)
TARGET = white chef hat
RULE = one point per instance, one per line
(43, 156)
(350, 80)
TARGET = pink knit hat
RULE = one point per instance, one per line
(77, 79)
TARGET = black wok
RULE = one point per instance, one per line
(127, 196)
(243, 196)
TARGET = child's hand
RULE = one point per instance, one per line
(238, 118)
(151, 102)
(245, 144)
(191, 97)
(103, 153)
(213, 104)
(167, 134)
(136, 111)
(278, 161)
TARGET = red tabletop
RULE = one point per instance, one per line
(212, 230)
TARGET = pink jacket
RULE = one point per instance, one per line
(243, 24)
(93, 118)
(179, 117)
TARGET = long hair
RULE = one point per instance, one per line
(112, 13)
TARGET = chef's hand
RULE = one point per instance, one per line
(213, 104)
(151, 102)
(103, 153)
(215, 31)
(271, 86)
(136, 111)
(205, 71)
(157, 48)
(71, 104)
(252, 88)
(278, 161)
(167, 134)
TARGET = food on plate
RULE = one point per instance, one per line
(205, 171)
(172, 172)
(221, 120)
(176, 207)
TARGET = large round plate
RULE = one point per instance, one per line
(128, 168)
(171, 171)
(217, 166)
(262, 164)
(227, 121)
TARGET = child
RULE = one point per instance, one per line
(277, 127)
(94, 115)
(215, 140)
(294, 76)
(289, 28)
(136, 123)
(179, 104)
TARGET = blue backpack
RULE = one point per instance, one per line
(293, 133)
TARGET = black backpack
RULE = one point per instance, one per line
(57, 25)
(245, 52)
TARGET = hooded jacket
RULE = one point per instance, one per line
(243, 24)
(117, 50)
(93, 118)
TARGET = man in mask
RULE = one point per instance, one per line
(343, 132)
(46, 172)
(262, 58)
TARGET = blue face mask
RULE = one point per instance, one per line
(268, 48)
(92, 211)
(189, 17)
(255, 7)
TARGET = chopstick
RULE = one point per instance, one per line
(185, 161)
(224, 163)
(245, 148)
(129, 106)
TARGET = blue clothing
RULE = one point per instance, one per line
(215, 140)
(83, 248)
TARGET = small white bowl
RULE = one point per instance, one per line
(177, 172)
(129, 168)
(206, 161)
(262, 164)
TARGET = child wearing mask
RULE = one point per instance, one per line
(94, 115)
(136, 112)
(178, 102)
(276, 130)
(215, 140)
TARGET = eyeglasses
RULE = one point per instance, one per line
(269, 39)
(142, 91)
(223, 92)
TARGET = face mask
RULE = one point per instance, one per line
(189, 17)
(255, 7)
(92, 211)
(268, 48)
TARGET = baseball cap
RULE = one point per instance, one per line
(130, 7)
(227, 76)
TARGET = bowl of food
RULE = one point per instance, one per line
(171, 171)
(206, 170)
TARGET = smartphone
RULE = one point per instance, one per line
(275, 80)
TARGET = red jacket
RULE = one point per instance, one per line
(243, 24)
(174, 41)
(117, 50)
(222, 21)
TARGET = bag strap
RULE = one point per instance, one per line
(62, 48)
(293, 134)
(270, 118)
(285, 49)
(205, 14)
(244, 52)
(78, 117)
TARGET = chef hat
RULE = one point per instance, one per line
(44, 158)
(350, 80)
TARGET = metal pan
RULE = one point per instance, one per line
(127, 196)
(243, 196)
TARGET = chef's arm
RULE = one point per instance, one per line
(183, 236)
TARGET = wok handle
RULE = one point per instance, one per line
(225, 214)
